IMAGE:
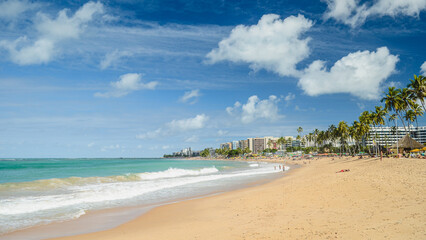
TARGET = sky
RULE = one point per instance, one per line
(144, 78)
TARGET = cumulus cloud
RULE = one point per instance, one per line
(230, 110)
(12, 9)
(188, 124)
(128, 83)
(360, 74)
(194, 95)
(423, 68)
(256, 108)
(350, 12)
(112, 58)
(176, 126)
(273, 44)
(51, 32)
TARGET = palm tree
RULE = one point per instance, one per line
(418, 111)
(332, 133)
(281, 141)
(299, 130)
(342, 129)
(417, 89)
(394, 102)
(315, 134)
(394, 129)
(270, 143)
(378, 118)
(409, 117)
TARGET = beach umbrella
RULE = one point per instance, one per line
(424, 149)
(415, 150)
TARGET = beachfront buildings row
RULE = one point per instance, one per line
(383, 136)
(258, 144)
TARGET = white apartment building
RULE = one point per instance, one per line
(387, 136)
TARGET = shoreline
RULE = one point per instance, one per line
(112, 217)
(374, 200)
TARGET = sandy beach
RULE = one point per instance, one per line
(374, 200)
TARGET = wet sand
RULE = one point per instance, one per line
(374, 200)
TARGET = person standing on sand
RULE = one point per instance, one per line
(381, 155)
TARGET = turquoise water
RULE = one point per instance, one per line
(25, 170)
(41, 191)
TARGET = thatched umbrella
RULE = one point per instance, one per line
(407, 143)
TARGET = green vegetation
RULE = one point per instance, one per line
(398, 103)
(205, 153)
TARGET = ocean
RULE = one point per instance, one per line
(36, 192)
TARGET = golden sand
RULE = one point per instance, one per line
(374, 200)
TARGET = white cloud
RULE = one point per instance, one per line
(175, 126)
(151, 134)
(188, 124)
(128, 83)
(222, 133)
(194, 94)
(423, 68)
(192, 139)
(112, 58)
(50, 33)
(91, 144)
(351, 13)
(360, 105)
(360, 74)
(230, 110)
(256, 109)
(273, 44)
(289, 97)
(12, 9)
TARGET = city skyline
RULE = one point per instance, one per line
(138, 79)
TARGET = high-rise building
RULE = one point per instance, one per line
(258, 145)
(227, 145)
(235, 145)
(389, 136)
(244, 144)
(271, 142)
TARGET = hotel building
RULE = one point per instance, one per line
(389, 136)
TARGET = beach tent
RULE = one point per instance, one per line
(407, 143)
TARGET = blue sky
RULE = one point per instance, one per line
(144, 78)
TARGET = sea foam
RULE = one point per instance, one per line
(61, 199)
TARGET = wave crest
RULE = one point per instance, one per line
(54, 183)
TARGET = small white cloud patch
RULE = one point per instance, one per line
(112, 58)
(256, 109)
(188, 124)
(128, 83)
(175, 126)
(191, 96)
(360, 74)
(289, 97)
